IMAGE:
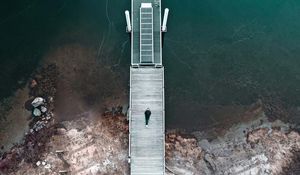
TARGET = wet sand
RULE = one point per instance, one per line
(16, 121)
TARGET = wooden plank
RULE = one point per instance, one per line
(147, 144)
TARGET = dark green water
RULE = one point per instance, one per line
(220, 52)
(216, 52)
(31, 28)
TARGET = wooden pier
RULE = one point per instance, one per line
(146, 144)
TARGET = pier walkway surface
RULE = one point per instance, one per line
(146, 144)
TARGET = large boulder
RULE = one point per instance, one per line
(36, 112)
(38, 101)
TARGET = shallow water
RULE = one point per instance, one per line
(216, 53)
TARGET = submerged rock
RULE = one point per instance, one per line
(33, 83)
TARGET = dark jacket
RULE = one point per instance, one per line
(147, 113)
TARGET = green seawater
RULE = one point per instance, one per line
(220, 52)
(215, 53)
(31, 29)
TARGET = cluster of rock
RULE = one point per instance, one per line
(41, 114)
(43, 89)
(280, 146)
(257, 146)
(84, 146)
(114, 111)
(39, 107)
(43, 163)
(41, 126)
(182, 152)
(254, 147)
(177, 145)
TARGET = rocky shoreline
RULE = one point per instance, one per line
(41, 128)
(97, 143)
(85, 146)
(100, 147)
(254, 147)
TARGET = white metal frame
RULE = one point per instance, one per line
(132, 32)
(160, 33)
(147, 6)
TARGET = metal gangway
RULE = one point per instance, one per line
(146, 144)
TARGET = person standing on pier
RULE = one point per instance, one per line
(147, 116)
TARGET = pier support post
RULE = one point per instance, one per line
(128, 28)
(165, 20)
